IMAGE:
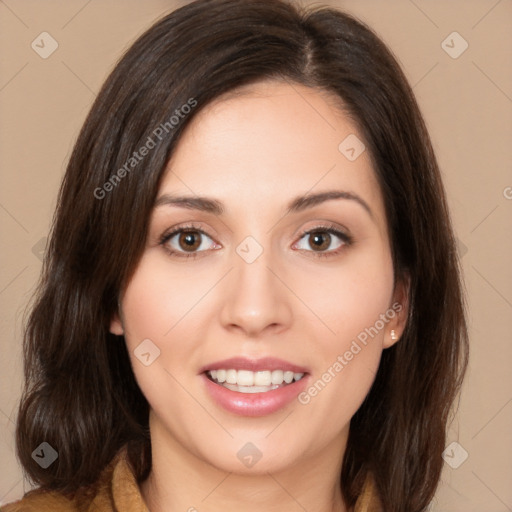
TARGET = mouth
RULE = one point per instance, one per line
(254, 388)
(247, 381)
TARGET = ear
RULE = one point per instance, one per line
(116, 325)
(398, 312)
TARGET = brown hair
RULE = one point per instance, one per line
(81, 395)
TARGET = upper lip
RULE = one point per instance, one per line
(244, 363)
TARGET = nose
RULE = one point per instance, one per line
(257, 299)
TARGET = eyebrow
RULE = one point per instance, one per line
(298, 204)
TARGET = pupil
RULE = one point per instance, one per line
(190, 240)
(319, 237)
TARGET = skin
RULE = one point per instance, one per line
(255, 152)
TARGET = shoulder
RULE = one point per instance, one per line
(116, 489)
(41, 501)
(369, 500)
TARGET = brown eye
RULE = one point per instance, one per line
(320, 240)
(189, 240)
(323, 241)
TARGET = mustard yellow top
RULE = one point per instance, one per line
(118, 492)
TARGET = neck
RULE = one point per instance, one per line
(182, 481)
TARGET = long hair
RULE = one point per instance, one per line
(80, 393)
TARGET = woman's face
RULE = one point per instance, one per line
(269, 274)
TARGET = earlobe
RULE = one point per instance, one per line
(398, 312)
(116, 326)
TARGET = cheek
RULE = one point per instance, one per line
(349, 299)
(157, 307)
(348, 359)
(156, 300)
(349, 330)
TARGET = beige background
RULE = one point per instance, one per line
(467, 103)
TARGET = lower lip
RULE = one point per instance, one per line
(254, 404)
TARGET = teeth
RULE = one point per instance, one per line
(247, 379)
(243, 378)
(231, 376)
(250, 389)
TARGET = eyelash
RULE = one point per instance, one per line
(325, 228)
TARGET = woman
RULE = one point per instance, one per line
(251, 297)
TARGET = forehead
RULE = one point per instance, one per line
(268, 142)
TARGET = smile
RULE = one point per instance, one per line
(246, 381)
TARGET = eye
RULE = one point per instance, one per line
(186, 241)
(322, 240)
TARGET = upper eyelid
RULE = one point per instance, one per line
(168, 233)
(190, 227)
